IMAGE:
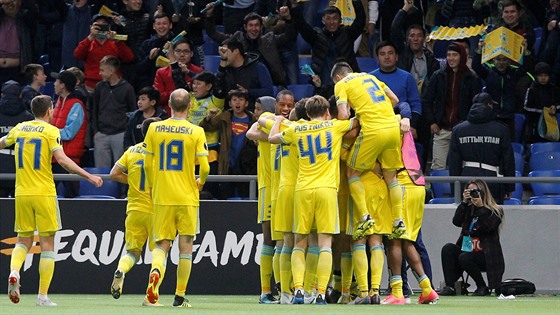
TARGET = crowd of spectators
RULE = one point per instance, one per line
(123, 63)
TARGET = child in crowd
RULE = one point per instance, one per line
(35, 77)
(148, 98)
(542, 96)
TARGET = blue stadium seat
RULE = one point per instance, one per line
(512, 202)
(519, 127)
(98, 170)
(518, 147)
(367, 64)
(519, 162)
(440, 48)
(542, 189)
(303, 78)
(301, 90)
(210, 47)
(43, 59)
(544, 161)
(109, 190)
(518, 192)
(303, 47)
(538, 40)
(544, 201)
(440, 201)
(545, 147)
(48, 89)
(211, 63)
(441, 190)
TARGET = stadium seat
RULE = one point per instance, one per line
(109, 190)
(303, 78)
(303, 47)
(542, 189)
(519, 127)
(210, 47)
(301, 90)
(538, 40)
(48, 89)
(544, 161)
(98, 170)
(211, 63)
(545, 147)
(43, 59)
(544, 201)
(440, 201)
(519, 162)
(512, 202)
(518, 192)
(440, 48)
(367, 64)
(518, 148)
(441, 190)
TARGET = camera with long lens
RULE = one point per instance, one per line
(475, 193)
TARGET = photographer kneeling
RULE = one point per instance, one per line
(478, 247)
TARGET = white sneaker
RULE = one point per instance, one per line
(308, 298)
(286, 298)
(147, 303)
(45, 302)
(13, 287)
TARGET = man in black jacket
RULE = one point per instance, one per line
(481, 146)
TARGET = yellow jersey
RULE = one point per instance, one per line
(132, 163)
(171, 148)
(199, 110)
(288, 157)
(35, 141)
(366, 95)
(318, 150)
(263, 157)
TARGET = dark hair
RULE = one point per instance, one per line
(252, 16)
(31, 70)
(237, 93)
(340, 68)
(415, 27)
(516, 3)
(150, 92)
(299, 109)
(233, 44)
(384, 43)
(333, 107)
(40, 104)
(206, 77)
(79, 74)
(184, 40)
(161, 15)
(111, 61)
(332, 10)
(282, 93)
(146, 124)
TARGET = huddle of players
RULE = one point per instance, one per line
(304, 188)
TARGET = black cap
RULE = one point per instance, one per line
(11, 87)
(542, 68)
(66, 77)
(98, 17)
(483, 98)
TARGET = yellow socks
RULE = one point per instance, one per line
(276, 264)
(324, 269)
(347, 271)
(18, 257)
(298, 266)
(358, 194)
(359, 260)
(183, 273)
(396, 286)
(425, 284)
(396, 196)
(126, 262)
(267, 253)
(158, 260)
(377, 260)
(46, 271)
(285, 269)
(311, 261)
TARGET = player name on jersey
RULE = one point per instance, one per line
(479, 139)
(324, 124)
(29, 128)
(174, 129)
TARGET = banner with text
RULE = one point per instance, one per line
(226, 253)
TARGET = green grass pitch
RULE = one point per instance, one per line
(69, 304)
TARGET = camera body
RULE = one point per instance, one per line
(475, 193)
(103, 27)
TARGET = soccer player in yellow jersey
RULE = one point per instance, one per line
(36, 206)
(318, 143)
(172, 146)
(379, 139)
(129, 169)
